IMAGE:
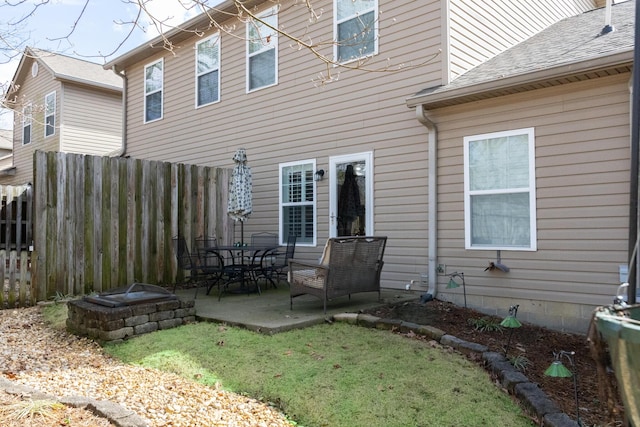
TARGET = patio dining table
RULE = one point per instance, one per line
(246, 261)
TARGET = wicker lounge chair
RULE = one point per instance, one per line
(348, 265)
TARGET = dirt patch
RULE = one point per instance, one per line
(536, 344)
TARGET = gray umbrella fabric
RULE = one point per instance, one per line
(240, 187)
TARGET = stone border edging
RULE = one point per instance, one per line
(515, 382)
(532, 398)
(117, 414)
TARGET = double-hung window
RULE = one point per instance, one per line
(153, 88)
(262, 51)
(499, 191)
(208, 71)
(50, 114)
(297, 202)
(27, 117)
(356, 29)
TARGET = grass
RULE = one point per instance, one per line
(29, 409)
(328, 375)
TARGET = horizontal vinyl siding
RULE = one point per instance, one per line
(33, 89)
(582, 188)
(479, 29)
(92, 121)
(295, 120)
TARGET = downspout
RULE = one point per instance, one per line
(634, 260)
(123, 148)
(421, 115)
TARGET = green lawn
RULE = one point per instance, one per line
(333, 375)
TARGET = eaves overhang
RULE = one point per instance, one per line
(202, 22)
(456, 93)
(10, 171)
(85, 82)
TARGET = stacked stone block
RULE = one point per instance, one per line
(114, 324)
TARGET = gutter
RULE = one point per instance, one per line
(442, 93)
(421, 115)
(125, 84)
(92, 83)
(209, 18)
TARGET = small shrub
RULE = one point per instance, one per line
(30, 409)
(520, 362)
(485, 324)
(60, 297)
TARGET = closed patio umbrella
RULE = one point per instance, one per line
(240, 186)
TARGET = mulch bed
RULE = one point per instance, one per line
(537, 344)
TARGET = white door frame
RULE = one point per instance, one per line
(367, 157)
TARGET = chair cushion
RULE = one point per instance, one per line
(309, 278)
(326, 254)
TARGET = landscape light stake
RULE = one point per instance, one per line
(557, 369)
(512, 323)
(453, 284)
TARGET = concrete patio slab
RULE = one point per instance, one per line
(270, 313)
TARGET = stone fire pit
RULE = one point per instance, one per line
(126, 312)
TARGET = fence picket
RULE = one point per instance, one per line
(90, 224)
(102, 222)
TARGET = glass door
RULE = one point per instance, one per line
(351, 195)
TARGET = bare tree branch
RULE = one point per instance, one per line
(75, 23)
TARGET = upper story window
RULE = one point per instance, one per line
(153, 84)
(499, 191)
(50, 114)
(27, 117)
(262, 51)
(208, 71)
(355, 29)
(297, 202)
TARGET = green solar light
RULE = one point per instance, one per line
(557, 369)
(452, 284)
(510, 322)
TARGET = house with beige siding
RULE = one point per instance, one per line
(532, 149)
(61, 104)
(349, 148)
(6, 148)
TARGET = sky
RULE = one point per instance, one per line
(96, 37)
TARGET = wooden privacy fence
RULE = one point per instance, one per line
(15, 242)
(102, 223)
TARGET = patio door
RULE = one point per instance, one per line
(351, 195)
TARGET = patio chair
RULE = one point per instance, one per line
(348, 265)
(210, 264)
(186, 261)
(277, 262)
(257, 260)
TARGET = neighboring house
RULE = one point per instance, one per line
(6, 148)
(61, 104)
(217, 92)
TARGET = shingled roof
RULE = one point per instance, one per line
(70, 69)
(575, 48)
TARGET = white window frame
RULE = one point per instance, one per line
(154, 91)
(49, 113)
(310, 163)
(338, 20)
(27, 122)
(210, 70)
(530, 189)
(268, 42)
